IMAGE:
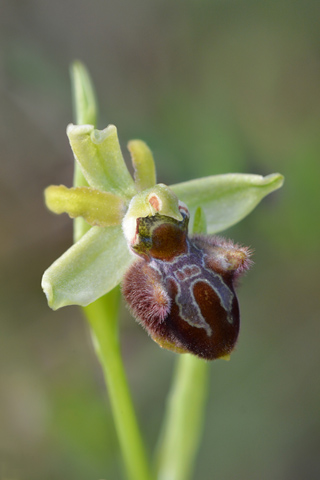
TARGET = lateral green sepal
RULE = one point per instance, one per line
(90, 268)
(226, 199)
(99, 155)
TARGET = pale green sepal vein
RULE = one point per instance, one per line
(99, 155)
(90, 268)
(226, 199)
(98, 208)
(143, 164)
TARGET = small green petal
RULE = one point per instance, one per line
(99, 155)
(98, 208)
(226, 199)
(90, 268)
(143, 164)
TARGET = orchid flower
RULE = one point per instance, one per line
(97, 262)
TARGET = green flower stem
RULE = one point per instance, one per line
(184, 419)
(85, 110)
(102, 315)
(80, 226)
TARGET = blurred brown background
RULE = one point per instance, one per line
(213, 87)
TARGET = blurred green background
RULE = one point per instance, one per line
(212, 87)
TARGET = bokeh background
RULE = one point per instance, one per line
(213, 87)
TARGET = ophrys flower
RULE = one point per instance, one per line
(135, 216)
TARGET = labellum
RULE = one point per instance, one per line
(181, 289)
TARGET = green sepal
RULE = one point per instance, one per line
(98, 208)
(226, 199)
(99, 155)
(90, 268)
(143, 164)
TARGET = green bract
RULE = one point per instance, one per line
(96, 263)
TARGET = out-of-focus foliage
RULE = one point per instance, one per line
(212, 87)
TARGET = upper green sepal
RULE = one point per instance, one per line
(226, 199)
(99, 155)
